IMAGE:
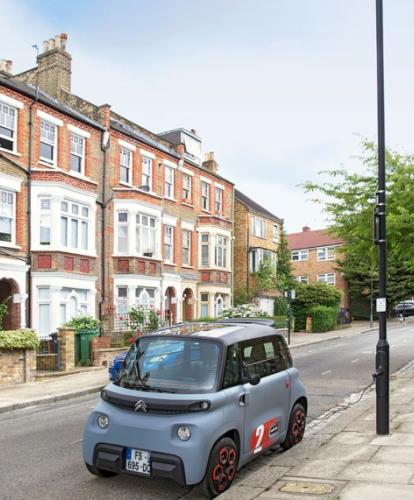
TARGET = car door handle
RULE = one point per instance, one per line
(242, 399)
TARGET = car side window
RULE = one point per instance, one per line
(284, 351)
(262, 357)
(232, 375)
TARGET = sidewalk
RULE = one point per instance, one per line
(342, 458)
(298, 339)
(55, 388)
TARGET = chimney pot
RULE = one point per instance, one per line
(305, 228)
(3, 64)
(63, 40)
(193, 131)
(51, 44)
(45, 45)
(57, 41)
(9, 66)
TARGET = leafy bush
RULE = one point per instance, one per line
(244, 311)
(3, 310)
(83, 323)
(280, 306)
(323, 318)
(143, 318)
(19, 339)
(280, 321)
(206, 319)
(315, 294)
(242, 296)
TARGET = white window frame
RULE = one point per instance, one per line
(169, 182)
(81, 219)
(8, 194)
(303, 279)
(205, 244)
(301, 255)
(220, 251)
(275, 234)
(218, 200)
(254, 264)
(81, 140)
(205, 196)
(45, 210)
(82, 306)
(204, 304)
(44, 302)
(168, 244)
(121, 305)
(187, 247)
(12, 139)
(325, 253)
(328, 278)
(146, 177)
(122, 224)
(125, 164)
(150, 228)
(187, 188)
(52, 162)
(258, 227)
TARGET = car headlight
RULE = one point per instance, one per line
(102, 421)
(184, 433)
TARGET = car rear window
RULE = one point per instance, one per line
(265, 356)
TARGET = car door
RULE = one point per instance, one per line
(267, 404)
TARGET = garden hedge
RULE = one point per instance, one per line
(323, 318)
(18, 339)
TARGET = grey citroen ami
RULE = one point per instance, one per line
(195, 402)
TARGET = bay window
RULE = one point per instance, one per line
(145, 296)
(123, 232)
(168, 243)
(48, 142)
(7, 215)
(220, 254)
(74, 223)
(186, 247)
(73, 303)
(8, 122)
(258, 256)
(77, 153)
(44, 310)
(125, 165)
(145, 235)
(205, 250)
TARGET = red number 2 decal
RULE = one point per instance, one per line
(261, 438)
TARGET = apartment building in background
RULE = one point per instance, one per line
(257, 232)
(99, 214)
(313, 255)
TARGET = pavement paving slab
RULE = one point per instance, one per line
(320, 469)
(399, 454)
(381, 472)
(376, 491)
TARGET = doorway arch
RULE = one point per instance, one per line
(188, 305)
(8, 287)
(170, 305)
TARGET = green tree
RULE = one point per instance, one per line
(349, 200)
(266, 276)
(284, 277)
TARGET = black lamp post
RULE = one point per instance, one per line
(383, 349)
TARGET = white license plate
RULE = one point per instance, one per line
(138, 461)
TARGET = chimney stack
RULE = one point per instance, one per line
(210, 163)
(305, 229)
(6, 66)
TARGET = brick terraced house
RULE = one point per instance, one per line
(99, 214)
(257, 233)
(313, 255)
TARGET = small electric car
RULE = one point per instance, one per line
(195, 402)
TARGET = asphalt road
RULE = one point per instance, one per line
(40, 448)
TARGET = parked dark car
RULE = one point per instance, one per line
(115, 365)
(404, 308)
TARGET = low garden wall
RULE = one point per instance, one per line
(17, 356)
(103, 355)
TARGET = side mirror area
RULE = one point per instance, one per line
(254, 379)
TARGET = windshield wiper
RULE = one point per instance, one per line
(148, 388)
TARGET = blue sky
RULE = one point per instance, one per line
(279, 89)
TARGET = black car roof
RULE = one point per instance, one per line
(227, 331)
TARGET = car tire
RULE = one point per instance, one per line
(221, 468)
(296, 429)
(100, 472)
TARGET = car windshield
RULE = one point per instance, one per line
(171, 365)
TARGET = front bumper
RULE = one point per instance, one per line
(112, 458)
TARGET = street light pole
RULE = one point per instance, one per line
(383, 352)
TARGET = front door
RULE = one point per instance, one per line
(267, 403)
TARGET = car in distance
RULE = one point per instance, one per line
(195, 402)
(405, 308)
(115, 365)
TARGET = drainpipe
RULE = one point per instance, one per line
(29, 202)
(232, 248)
(104, 146)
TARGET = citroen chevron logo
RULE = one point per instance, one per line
(141, 406)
